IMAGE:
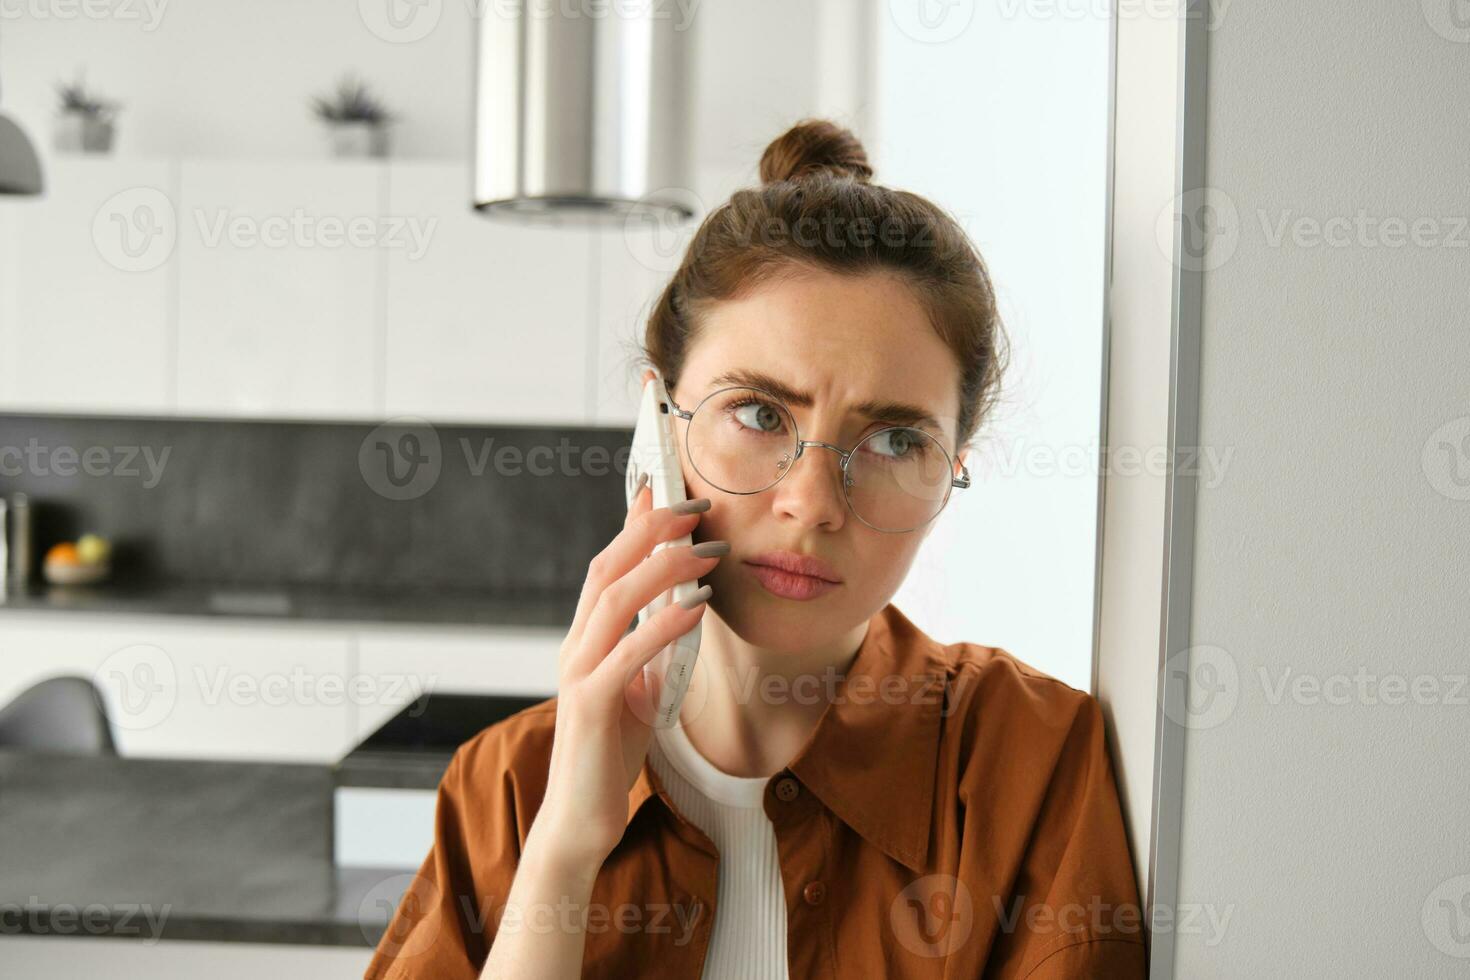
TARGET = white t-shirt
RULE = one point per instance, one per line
(748, 939)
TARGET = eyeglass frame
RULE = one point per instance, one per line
(962, 481)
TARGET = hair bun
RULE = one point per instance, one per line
(815, 146)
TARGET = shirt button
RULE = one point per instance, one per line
(814, 893)
(787, 789)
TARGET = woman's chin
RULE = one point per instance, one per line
(777, 624)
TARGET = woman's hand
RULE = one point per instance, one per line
(603, 704)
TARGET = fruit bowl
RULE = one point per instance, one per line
(85, 561)
(79, 573)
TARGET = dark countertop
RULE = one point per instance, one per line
(529, 608)
(183, 850)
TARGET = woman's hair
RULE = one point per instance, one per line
(817, 208)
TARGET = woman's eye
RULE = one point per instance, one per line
(897, 443)
(758, 416)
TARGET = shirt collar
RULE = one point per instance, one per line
(873, 756)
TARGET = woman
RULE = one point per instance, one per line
(844, 797)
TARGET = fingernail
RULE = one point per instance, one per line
(712, 549)
(642, 482)
(690, 506)
(693, 600)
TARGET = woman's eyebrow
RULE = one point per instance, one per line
(882, 410)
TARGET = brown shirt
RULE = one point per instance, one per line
(952, 815)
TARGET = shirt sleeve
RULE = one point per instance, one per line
(1075, 911)
(444, 924)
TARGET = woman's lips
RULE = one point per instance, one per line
(798, 563)
(790, 585)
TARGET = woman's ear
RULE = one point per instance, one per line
(648, 373)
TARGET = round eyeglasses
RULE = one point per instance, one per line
(744, 440)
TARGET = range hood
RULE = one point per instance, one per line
(582, 117)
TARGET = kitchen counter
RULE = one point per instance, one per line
(184, 849)
(529, 608)
(181, 850)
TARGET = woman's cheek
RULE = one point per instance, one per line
(885, 566)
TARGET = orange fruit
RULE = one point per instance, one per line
(64, 553)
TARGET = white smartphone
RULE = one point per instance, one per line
(654, 453)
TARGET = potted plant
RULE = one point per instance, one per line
(84, 122)
(356, 119)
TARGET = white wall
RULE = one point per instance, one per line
(1332, 826)
(213, 77)
(998, 112)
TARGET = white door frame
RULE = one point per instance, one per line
(1150, 411)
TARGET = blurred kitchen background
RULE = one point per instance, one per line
(318, 452)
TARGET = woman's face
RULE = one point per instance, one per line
(843, 341)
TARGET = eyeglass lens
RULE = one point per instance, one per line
(742, 440)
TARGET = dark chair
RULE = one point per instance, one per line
(59, 714)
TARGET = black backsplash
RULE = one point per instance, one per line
(313, 504)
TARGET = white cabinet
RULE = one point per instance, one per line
(300, 289)
(279, 269)
(225, 689)
(404, 663)
(86, 286)
(195, 689)
(489, 320)
(80, 957)
(242, 692)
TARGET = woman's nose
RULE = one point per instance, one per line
(811, 491)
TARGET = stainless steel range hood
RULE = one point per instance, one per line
(581, 114)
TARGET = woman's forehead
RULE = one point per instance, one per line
(843, 340)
